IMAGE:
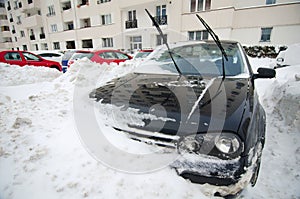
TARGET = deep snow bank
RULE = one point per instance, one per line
(41, 155)
(12, 75)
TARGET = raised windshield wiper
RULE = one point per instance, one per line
(164, 40)
(217, 41)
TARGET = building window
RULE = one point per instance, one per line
(54, 28)
(2, 5)
(106, 19)
(19, 20)
(30, 1)
(3, 17)
(200, 5)
(25, 47)
(161, 15)
(198, 35)
(85, 23)
(135, 42)
(22, 33)
(102, 1)
(131, 22)
(4, 28)
(87, 43)
(107, 42)
(66, 5)
(159, 39)
(44, 46)
(265, 34)
(51, 11)
(56, 46)
(70, 45)
(270, 2)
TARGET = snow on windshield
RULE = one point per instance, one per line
(195, 58)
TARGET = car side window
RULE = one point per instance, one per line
(12, 56)
(121, 56)
(108, 55)
(32, 57)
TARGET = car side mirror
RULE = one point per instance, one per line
(265, 73)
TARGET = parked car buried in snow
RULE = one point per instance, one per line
(101, 56)
(23, 58)
(211, 117)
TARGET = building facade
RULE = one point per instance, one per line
(124, 24)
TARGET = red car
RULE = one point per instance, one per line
(23, 58)
(101, 56)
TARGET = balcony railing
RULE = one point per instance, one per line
(161, 20)
(42, 36)
(32, 37)
(131, 24)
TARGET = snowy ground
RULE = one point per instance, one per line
(41, 155)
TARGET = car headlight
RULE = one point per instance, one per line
(223, 145)
(227, 144)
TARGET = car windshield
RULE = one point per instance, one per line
(142, 55)
(203, 58)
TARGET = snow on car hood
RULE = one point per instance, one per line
(173, 104)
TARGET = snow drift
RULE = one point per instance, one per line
(41, 155)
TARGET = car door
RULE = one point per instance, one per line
(14, 58)
(32, 59)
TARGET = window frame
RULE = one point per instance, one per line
(107, 42)
(206, 5)
(264, 35)
(106, 19)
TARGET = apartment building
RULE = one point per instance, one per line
(5, 36)
(124, 24)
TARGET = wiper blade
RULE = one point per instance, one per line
(164, 40)
(217, 41)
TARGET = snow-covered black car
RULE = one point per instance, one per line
(211, 116)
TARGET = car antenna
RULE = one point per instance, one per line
(217, 41)
(164, 40)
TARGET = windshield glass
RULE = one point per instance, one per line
(203, 58)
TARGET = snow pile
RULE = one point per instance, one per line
(41, 155)
(14, 75)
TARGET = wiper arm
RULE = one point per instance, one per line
(217, 41)
(164, 40)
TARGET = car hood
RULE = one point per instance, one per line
(176, 105)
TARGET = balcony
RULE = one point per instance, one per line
(131, 24)
(32, 4)
(161, 20)
(42, 36)
(32, 37)
(32, 21)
